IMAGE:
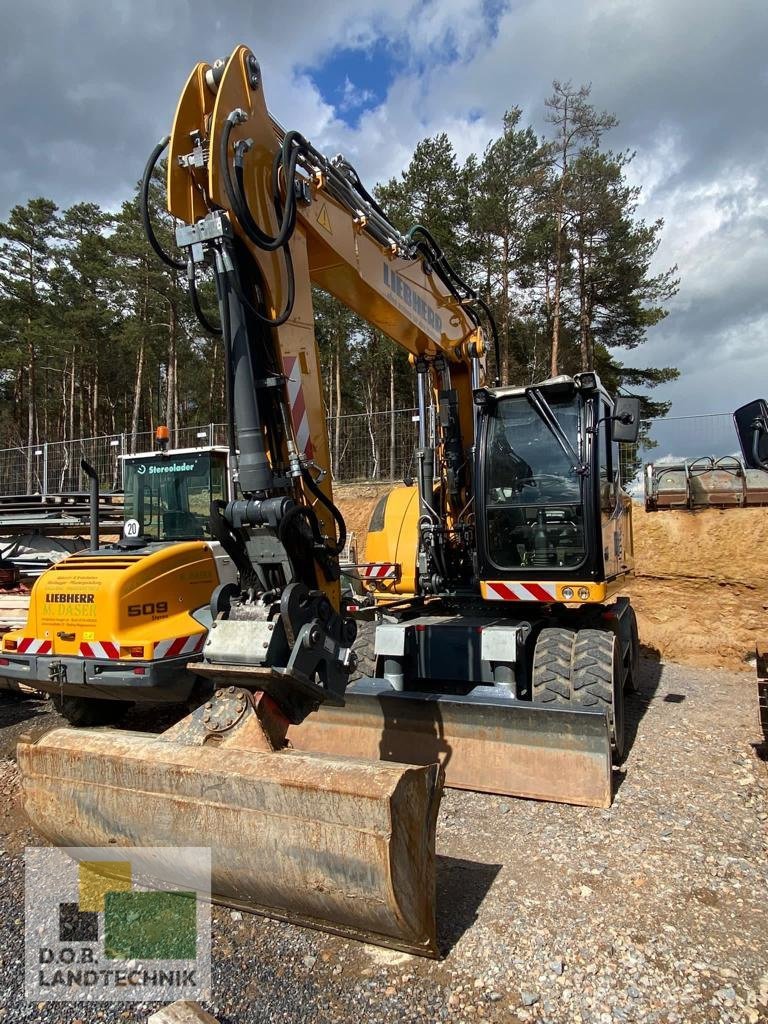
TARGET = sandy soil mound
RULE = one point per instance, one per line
(701, 582)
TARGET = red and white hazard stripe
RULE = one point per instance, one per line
(520, 592)
(100, 649)
(378, 570)
(298, 407)
(180, 646)
(29, 645)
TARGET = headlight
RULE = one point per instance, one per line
(567, 593)
(584, 593)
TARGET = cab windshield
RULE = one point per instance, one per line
(533, 487)
(170, 496)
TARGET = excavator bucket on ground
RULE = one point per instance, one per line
(485, 743)
(328, 842)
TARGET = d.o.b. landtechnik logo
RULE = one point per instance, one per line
(132, 923)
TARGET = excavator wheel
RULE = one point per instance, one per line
(552, 661)
(598, 680)
(632, 680)
(364, 649)
(83, 712)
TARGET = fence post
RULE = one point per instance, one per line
(45, 470)
(210, 434)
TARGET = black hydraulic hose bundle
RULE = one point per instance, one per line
(437, 258)
(146, 182)
(342, 526)
(195, 300)
(149, 231)
(293, 145)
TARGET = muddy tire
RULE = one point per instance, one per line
(598, 681)
(552, 667)
(363, 648)
(83, 712)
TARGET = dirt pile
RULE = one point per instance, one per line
(701, 582)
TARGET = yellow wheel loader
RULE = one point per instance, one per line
(500, 656)
(119, 623)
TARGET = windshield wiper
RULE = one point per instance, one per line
(543, 408)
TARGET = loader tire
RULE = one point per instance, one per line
(552, 666)
(598, 681)
(83, 712)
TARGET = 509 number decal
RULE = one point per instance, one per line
(151, 608)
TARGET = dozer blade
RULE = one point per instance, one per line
(485, 743)
(342, 845)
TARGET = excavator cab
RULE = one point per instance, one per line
(548, 494)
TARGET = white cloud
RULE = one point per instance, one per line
(685, 77)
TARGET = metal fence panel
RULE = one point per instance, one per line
(376, 447)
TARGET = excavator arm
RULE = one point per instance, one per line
(328, 841)
(270, 216)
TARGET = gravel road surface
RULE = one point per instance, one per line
(654, 910)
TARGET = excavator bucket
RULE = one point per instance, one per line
(484, 743)
(328, 842)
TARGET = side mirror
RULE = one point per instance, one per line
(751, 422)
(625, 422)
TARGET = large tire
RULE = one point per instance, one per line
(364, 649)
(552, 666)
(88, 711)
(598, 680)
(632, 681)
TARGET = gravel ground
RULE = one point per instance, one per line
(654, 910)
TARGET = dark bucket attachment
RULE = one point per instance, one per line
(484, 743)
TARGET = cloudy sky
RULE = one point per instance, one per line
(87, 87)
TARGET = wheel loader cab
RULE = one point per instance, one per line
(169, 494)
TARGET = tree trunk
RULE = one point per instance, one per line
(171, 400)
(337, 425)
(583, 320)
(558, 277)
(504, 373)
(95, 403)
(137, 399)
(30, 408)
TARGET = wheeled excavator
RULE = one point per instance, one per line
(501, 654)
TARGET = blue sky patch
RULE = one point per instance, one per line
(354, 80)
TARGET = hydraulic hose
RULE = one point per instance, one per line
(146, 181)
(195, 300)
(338, 517)
(287, 216)
(446, 272)
(293, 144)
